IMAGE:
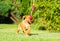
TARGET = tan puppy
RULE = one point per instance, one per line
(25, 25)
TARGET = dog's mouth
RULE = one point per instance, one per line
(29, 21)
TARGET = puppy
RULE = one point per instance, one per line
(25, 25)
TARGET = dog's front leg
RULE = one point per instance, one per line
(28, 31)
(24, 31)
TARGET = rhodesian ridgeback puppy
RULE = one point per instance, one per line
(25, 25)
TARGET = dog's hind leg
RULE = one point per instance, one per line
(18, 29)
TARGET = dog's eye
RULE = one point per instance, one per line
(23, 18)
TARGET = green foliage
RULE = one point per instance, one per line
(49, 12)
(4, 7)
(46, 13)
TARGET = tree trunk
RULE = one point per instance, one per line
(14, 18)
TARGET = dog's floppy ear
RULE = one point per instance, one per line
(24, 17)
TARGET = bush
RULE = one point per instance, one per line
(46, 13)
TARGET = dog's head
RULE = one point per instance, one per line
(27, 18)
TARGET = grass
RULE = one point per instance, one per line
(8, 33)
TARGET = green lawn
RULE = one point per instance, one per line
(8, 33)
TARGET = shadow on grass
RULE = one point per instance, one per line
(33, 34)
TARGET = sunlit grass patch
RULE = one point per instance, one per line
(9, 34)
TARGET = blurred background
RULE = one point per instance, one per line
(46, 14)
